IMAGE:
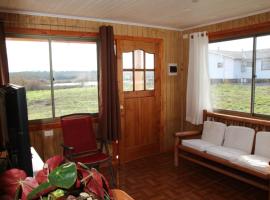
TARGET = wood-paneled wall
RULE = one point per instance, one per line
(171, 85)
(214, 28)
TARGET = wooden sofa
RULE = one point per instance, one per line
(236, 168)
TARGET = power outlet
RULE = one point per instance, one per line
(48, 133)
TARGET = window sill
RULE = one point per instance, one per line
(51, 123)
(243, 114)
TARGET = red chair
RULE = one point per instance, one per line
(80, 144)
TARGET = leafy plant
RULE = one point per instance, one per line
(15, 183)
(54, 180)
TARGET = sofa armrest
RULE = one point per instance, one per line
(178, 137)
(185, 134)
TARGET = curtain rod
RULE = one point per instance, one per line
(202, 34)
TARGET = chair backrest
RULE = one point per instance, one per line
(240, 138)
(78, 132)
(262, 146)
(213, 132)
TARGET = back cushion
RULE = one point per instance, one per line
(262, 146)
(213, 132)
(240, 138)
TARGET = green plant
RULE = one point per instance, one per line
(56, 180)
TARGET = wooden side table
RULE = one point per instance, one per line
(121, 195)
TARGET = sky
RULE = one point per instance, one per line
(33, 55)
(245, 44)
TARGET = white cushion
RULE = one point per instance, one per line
(254, 162)
(225, 152)
(213, 132)
(197, 144)
(262, 146)
(239, 137)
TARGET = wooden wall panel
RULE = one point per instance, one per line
(220, 27)
(171, 85)
(47, 146)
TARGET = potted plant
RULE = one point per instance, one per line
(57, 180)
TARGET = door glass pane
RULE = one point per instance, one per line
(150, 80)
(75, 73)
(230, 70)
(127, 60)
(139, 80)
(128, 81)
(28, 61)
(149, 61)
(262, 88)
(138, 59)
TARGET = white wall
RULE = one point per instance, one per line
(232, 68)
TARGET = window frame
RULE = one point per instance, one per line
(63, 38)
(253, 76)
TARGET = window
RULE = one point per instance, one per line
(242, 84)
(138, 71)
(60, 76)
(262, 81)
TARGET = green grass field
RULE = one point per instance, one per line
(67, 101)
(238, 97)
(74, 100)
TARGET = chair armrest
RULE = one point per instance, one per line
(185, 134)
(68, 151)
(69, 148)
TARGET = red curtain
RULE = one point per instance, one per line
(109, 108)
(4, 76)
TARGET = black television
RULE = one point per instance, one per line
(14, 137)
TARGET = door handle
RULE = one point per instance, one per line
(121, 107)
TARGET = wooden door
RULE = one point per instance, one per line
(139, 81)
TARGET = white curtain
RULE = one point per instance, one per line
(198, 84)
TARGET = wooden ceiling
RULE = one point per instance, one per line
(175, 14)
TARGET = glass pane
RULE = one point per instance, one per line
(75, 73)
(230, 70)
(262, 88)
(138, 59)
(29, 66)
(127, 60)
(139, 80)
(128, 81)
(150, 80)
(149, 60)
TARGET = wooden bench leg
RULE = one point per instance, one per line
(176, 152)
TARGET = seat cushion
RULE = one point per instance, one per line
(262, 144)
(226, 153)
(239, 137)
(213, 132)
(197, 144)
(254, 162)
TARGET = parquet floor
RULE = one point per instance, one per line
(156, 178)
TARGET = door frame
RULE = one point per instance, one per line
(161, 92)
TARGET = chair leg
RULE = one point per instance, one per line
(176, 152)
